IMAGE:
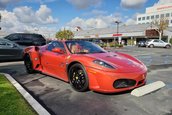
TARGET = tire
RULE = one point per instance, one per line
(167, 46)
(78, 78)
(151, 46)
(28, 64)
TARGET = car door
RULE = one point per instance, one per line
(3, 53)
(9, 51)
(54, 63)
(156, 43)
(15, 38)
(26, 40)
(161, 43)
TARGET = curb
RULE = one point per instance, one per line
(33, 103)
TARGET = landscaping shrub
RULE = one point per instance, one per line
(171, 40)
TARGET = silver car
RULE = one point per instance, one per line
(10, 50)
(157, 43)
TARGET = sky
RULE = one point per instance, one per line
(49, 16)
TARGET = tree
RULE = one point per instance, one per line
(64, 34)
(160, 26)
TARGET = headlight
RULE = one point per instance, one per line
(104, 64)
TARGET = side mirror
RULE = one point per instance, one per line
(58, 50)
(36, 48)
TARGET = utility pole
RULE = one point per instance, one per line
(117, 30)
(0, 21)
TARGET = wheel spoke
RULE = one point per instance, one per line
(78, 78)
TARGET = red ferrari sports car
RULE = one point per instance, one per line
(86, 66)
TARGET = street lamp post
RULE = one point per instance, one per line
(0, 20)
(117, 30)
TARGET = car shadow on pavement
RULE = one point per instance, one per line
(117, 93)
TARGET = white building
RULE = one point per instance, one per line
(155, 13)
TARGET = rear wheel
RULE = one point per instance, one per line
(28, 64)
(151, 46)
(78, 77)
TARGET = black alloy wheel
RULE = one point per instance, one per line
(78, 78)
(28, 64)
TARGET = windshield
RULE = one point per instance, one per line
(83, 47)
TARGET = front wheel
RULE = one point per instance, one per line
(167, 46)
(28, 64)
(151, 46)
(78, 78)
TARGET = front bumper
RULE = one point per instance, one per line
(103, 81)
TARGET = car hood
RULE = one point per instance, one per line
(123, 64)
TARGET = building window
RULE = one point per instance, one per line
(167, 21)
(167, 15)
(157, 16)
(143, 18)
(162, 15)
(152, 17)
(147, 17)
(139, 19)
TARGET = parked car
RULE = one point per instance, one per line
(27, 39)
(10, 50)
(157, 43)
(86, 65)
(142, 44)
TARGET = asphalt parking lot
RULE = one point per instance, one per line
(59, 98)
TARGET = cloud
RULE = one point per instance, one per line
(95, 13)
(162, 2)
(97, 22)
(41, 1)
(132, 4)
(132, 19)
(83, 4)
(25, 19)
(5, 3)
(44, 16)
(25, 14)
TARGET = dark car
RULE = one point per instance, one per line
(10, 50)
(27, 39)
(142, 44)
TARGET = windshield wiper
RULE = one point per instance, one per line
(99, 52)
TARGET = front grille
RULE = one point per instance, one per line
(124, 83)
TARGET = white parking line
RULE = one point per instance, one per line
(11, 63)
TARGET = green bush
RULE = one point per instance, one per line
(115, 44)
(120, 45)
(111, 44)
(102, 44)
(171, 40)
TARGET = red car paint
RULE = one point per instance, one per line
(100, 78)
